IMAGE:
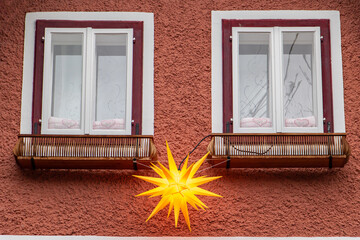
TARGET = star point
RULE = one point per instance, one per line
(177, 188)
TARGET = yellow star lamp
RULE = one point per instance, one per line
(178, 187)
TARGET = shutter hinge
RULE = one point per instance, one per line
(134, 40)
(36, 127)
(42, 39)
(137, 126)
(228, 125)
(321, 38)
(230, 38)
(328, 127)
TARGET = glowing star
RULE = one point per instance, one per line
(178, 187)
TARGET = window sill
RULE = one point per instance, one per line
(84, 151)
(279, 150)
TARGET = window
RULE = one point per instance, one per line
(87, 81)
(92, 74)
(261, 58)
(277, 73)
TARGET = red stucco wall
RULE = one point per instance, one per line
(256, 202)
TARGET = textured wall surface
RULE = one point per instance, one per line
(277, 202)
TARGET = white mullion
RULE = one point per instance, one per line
(278, 79)
(87, 89)
(318, 76)
(273, 80)
(129, 81)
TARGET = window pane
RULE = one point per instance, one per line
(299, 90)
(67, 62)
(111, 76)
(254, 80)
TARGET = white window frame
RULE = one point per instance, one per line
(275, 79)
(148, 60)
(216, 61)
(88, 82)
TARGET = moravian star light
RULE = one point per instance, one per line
(178, 187)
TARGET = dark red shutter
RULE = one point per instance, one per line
(137, 64)
(227, 77)
(324, 25)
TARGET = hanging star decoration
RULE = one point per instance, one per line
(178, 187)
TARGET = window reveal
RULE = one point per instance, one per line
(92, 81)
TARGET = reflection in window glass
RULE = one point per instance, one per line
(254, 80)
(299, 91)
(67, 81)
(111, 76)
